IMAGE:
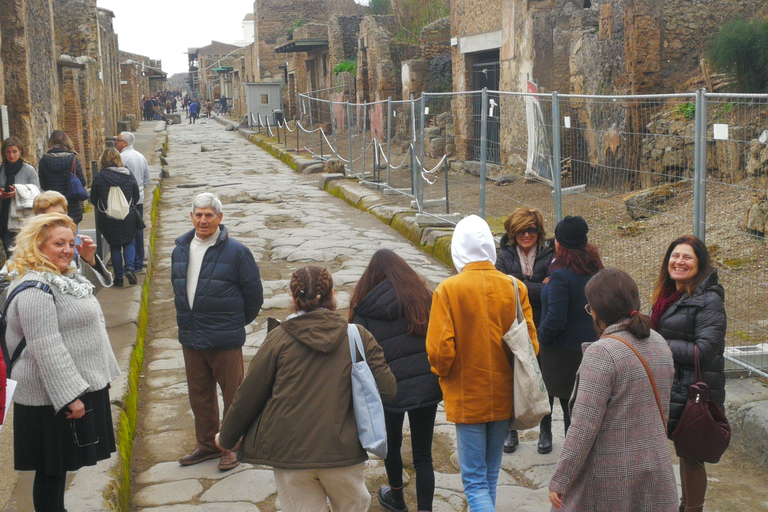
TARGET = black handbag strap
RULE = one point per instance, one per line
(648, 371)
(11, 359)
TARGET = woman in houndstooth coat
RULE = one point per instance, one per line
(616, 455)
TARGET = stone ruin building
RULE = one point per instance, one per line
(60, 68)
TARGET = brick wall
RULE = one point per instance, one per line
(72, 118)
(129, 91)
(110, 69)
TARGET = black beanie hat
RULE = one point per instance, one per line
(571, 232)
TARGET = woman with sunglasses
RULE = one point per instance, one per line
(564, 325)
(526, 254)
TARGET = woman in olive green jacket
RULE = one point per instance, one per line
(294, 408)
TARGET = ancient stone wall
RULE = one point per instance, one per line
(72, 120)
(379, 59)
(110, 72)
(130, 100)
(142, 79)
(30, 86)
(342, 38)
(436, 38)
(275, 17)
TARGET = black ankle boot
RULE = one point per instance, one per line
(511, 442)
(545, 435)
(392, 499)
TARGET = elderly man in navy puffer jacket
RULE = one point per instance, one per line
(218, 292)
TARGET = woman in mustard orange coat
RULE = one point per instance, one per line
(470, 314)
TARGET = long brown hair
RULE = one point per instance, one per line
(665, 282)
(584, 261)
(60, 138)
(612, 294)
(412, 293)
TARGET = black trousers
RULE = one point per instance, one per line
(422, 422)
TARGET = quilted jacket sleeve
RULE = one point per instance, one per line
(250, 280)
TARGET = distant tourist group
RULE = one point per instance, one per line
(622, 378)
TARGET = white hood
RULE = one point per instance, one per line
(472, 241)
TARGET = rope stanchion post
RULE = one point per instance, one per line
(447, 202)
(389, 139)
(278, 129)
(285, 133)
(333, 128)
(322, 135)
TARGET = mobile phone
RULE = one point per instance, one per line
(78, 241)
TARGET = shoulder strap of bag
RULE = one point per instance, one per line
(648, 371)
(520, 317)
(10, 360)
(697, 364)
(74, 164)
(353, 333)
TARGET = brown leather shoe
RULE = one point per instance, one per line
(198, 456)
(228, 461)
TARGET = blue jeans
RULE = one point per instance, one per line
(138, 242)
(480, 449)
(117, 259)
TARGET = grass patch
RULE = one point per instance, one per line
(126, 427)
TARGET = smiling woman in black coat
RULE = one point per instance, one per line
(689, 312)
(393, 303)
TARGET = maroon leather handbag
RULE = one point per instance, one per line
(703, 432)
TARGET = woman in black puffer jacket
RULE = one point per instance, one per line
(688, 311)
(393, 303)
(526, 254)
(55, 168)
(119, 233)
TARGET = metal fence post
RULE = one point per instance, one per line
(700, 167)
(311, 124)
(483, 149)
(420, 176)
(556, 170)
(413, 147)
(389, 138)
(349, 134)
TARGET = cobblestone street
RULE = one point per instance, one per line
(288, 223)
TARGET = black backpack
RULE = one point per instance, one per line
(9, 360)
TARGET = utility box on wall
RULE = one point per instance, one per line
(264, 99)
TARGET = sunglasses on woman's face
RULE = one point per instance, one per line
(529, 231)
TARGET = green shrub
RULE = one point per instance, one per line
(289, 31)
(348, 66)
(740, 49)
(688, 110)
(379, 7)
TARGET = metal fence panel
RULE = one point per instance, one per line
(642, 170)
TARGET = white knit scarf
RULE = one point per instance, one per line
(72, 284)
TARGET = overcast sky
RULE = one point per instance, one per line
(165, 29)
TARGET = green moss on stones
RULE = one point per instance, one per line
(126, 426)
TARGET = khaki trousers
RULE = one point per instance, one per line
(310, 490)
(205, 369)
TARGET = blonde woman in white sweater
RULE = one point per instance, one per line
(62, 419)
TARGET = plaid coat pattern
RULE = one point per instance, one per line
(616, 455)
